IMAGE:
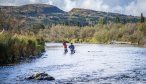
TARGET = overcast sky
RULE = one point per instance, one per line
(129, 7)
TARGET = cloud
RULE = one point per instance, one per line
(129, 7)
(32, 1)
(137, 7)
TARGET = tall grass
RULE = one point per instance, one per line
(15, 46)
(134, 33)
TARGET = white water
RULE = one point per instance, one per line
(91, 63)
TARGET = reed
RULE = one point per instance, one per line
(15, 46)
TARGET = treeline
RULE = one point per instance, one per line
(100, 33)
(15, 42)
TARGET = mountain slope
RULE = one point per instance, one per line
(48, 15)
(31, 9)
(92, 13)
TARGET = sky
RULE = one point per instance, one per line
(128, 7)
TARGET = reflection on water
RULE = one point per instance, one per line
(90, 64)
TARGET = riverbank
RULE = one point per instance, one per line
(14, 47)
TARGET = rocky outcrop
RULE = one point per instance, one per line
(41, 76)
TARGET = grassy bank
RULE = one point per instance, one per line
(15, 46)
(100, 33)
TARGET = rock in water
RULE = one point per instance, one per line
(41, 76)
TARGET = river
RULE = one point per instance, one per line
(91, 64)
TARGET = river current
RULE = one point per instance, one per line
(91, 64)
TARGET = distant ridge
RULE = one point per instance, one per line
(88, 12)
(49, 14)
(32, 9)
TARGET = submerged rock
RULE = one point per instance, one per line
(41, 76)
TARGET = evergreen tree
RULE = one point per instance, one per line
(124, 21)
(142, 18)
(117, 20)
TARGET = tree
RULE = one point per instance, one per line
(142, 18)
(124, 21)
(87, 33)
(117, 20)
(36, 27)
(3, 20)
(101, 20)
(10, 23)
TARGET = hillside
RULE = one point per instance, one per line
(92, 13)
(108, 16)
(31, 9)
(48, 15)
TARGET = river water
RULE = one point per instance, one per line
(91, 64)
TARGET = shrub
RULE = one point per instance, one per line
(14, 46)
